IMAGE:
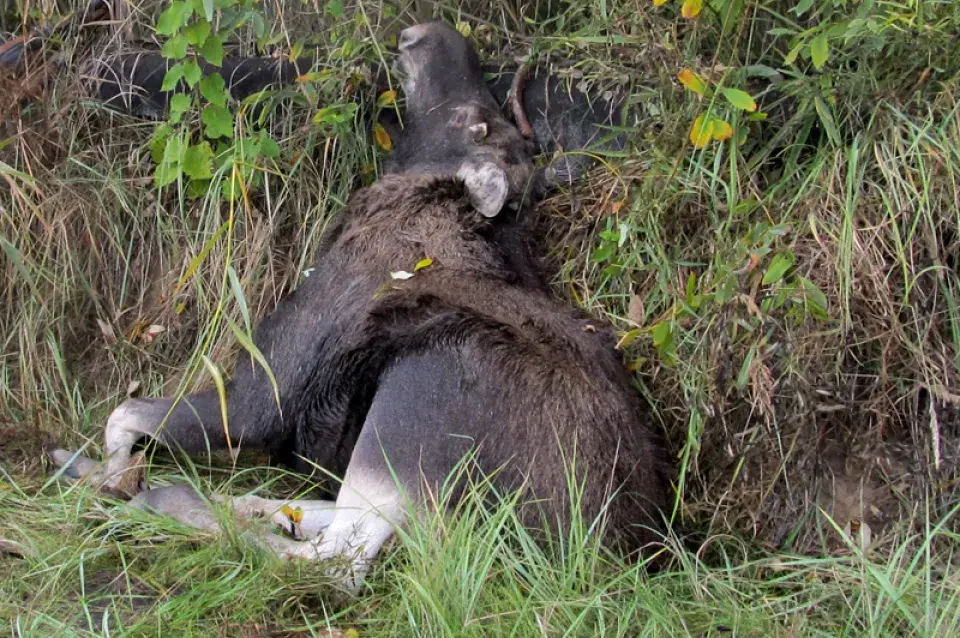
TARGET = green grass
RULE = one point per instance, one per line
(814, 414)
(89, 570)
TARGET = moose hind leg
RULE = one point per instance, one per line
(369, 508)
(193, 424)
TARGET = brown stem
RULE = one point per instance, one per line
(516, 99)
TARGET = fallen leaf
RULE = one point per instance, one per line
(387, 98)
(382, 137)
(691, 9)
(635, 310)
(721, 130)
(692, 81)
(423, 263)
(702, 131)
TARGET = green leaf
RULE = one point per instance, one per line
(603, 252)
(740, 99)
(205, 8)
(334, 8)
(826, 118)
(221, 394)
(169, 168)
(218, 121)
(158, 143)
(175, 48)
(335, 114)
(179, 104)
(838, 30)
(791, 56)
(268, 147)
(249, 149)
(663, 338)
(172, 77)
(628, 338)
(212, 88)
(212, 50)
(198, 161)
(173, 18)
(743, 378)
(819, 51)
(247, 342)
(802, 7)
(237, 291)
(259, 26)
(813, 295)
(16, 257)
(197, 188)
(778, 267)
(173, 150)
(191, 72)
(197, 33)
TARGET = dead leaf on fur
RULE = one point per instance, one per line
(152, 332)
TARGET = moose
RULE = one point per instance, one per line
(389, 381)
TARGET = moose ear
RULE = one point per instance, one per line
(487, 185)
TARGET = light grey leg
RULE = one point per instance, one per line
(317, 514)
(369, 508)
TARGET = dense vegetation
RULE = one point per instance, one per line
(778, 246)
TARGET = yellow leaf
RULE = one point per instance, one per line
(721, 130)
(387, 98)
(659, 3)
(701, 131)
(294, 514)
(692, 81)
(315, 76)
(691, 8)
(423, 263)
(382, 137)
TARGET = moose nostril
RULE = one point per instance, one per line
(408, 37)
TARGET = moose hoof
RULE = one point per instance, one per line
(77, 467)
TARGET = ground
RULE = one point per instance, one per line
(787, 297)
